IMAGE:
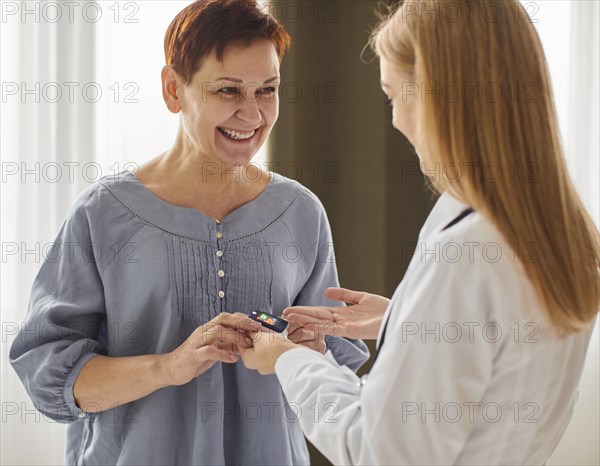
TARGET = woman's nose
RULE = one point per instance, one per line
(249, 110)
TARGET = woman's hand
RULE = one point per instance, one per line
(218, 340)
(360, 320)
(310, 338)
(267, 347)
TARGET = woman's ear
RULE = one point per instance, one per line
(169, 89)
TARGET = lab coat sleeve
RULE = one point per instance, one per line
(346, 351)
(418, 403)
(60, 331)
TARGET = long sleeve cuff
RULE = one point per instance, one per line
(75, 412)
(290, 363)
(348, 352)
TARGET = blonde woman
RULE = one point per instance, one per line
(481, 348)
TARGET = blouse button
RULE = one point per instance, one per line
(81, 414)
(219, 235)
(221, 294)
(218, 221)
(219, 253)
(221, 273)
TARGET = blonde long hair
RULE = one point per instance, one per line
(504, 130)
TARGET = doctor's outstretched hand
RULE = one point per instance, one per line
(361, 319)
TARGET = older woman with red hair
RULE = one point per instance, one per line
(142, 360)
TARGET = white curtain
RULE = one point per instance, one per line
(53, 146)
(42, 133)
(81, 99)
(575, 65)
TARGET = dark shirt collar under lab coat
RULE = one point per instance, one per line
(444, 211)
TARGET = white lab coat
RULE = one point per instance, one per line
(470, 372)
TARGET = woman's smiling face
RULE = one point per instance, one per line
(230, 106)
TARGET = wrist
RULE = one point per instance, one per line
(159, 370)
(284, 347)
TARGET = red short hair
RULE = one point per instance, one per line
(214, 24)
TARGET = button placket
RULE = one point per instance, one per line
(219, 254)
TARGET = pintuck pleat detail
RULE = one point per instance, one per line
(195, 282)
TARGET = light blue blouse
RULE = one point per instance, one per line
(131, 274)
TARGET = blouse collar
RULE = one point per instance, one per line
(247, 220)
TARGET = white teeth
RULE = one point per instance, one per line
(236, 135)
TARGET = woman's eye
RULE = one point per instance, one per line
(267, 90)
(228, 90)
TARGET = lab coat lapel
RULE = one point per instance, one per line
(444, 211)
